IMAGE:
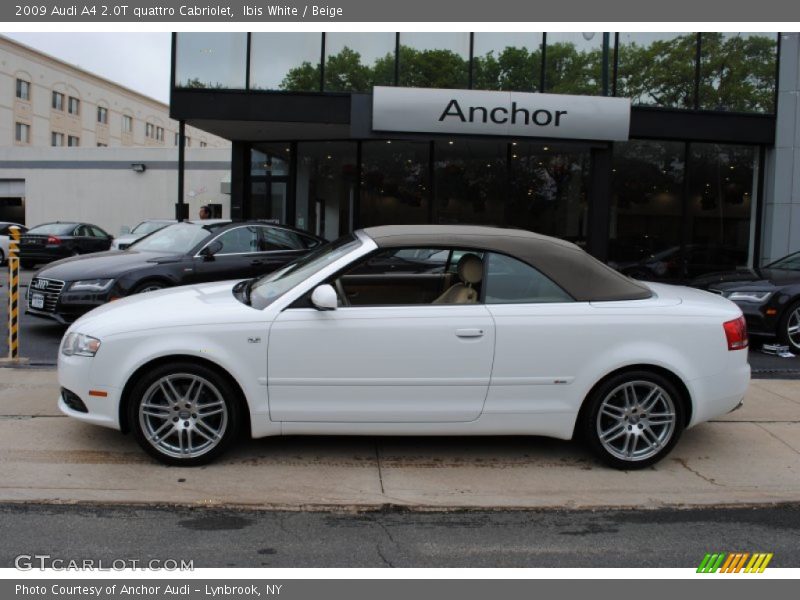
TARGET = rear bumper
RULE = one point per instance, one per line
(719, 394)
(42, 255)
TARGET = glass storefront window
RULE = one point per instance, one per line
(647, 209)
(738, 71)
(470, 182)
(657, 69)
(574, 63)
(395, 184)
(548, 192)
(269, 178)
(211, 60)
(326, 187)
(434, 60)
(507, 61)
(355, 62)
(721, 190)
(285, 61)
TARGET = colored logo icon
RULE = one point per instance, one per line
(734, 562)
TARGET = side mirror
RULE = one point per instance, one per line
(209, 251)
(124, 230)
(324, 297)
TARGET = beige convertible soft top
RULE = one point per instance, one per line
(582, 276)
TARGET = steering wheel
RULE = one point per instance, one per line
(340, 290)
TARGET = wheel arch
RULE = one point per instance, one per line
(686, 396)
(151, 279)
(155, 362)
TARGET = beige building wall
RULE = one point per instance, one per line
(47, 74)
(100, 185)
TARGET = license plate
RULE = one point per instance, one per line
(37, 301)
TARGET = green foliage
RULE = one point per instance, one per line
(737, 73)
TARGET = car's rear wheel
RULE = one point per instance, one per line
(789, 328)
(633, 419)
(183, 413)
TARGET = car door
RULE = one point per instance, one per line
(101, 239)
(386, 362)
(239, 256)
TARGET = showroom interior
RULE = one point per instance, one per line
(684, 195)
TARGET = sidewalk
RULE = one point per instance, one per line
(751, 456)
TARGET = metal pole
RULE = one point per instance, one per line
(13, 293)
(180, 210)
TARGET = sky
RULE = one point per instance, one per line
(140, 61)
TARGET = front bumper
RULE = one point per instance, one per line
(68, 307)
(75, 375)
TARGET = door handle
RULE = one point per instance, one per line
(469, 333)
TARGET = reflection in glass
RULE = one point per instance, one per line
(574, 63)
(646, 209)
(210, 60)
(285, 61)
(469, 182)
(269, 170)
(657, 69)
(548, 191)
(355, 62)
(434, 60)
(507, 61)
(737, 71)
(326, 184)
(395, 183)
(721, 188)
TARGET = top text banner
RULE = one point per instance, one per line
(149, 11)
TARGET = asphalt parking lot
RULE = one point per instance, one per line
(39, 338)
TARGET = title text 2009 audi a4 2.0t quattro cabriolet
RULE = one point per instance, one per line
(412, 330)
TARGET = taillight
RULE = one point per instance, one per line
(53, 240)
(736, 333)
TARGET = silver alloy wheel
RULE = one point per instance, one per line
(636, 420)
(793, 327)
(183, 415)
(151, 288)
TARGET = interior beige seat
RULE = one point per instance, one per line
(470, 272)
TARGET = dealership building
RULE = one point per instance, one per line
(666, 154)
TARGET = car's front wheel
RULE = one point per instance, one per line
(183, 413)
(633, 419)
(789, 328)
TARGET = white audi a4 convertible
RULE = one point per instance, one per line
(412, 330)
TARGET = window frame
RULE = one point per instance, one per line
(76, 139)
(57, 101)
(127, 123)
(19, 127)
(102, 115)
(57, 135)
(74, 102)
(20, 85)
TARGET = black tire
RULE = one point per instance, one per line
(175, 433)
(27, 264)
(149, 286)
(783, 327)
(634, 424)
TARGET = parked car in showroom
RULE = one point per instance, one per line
(509, 333)
(54, 241)
(672, 264)
(769, 297)
(4, 237)
(123, 241)
(179, 254)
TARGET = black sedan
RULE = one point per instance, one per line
(180, 254)
(768, 296)
(53, 241)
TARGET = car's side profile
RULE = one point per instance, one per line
(412, 330)
(53, 241)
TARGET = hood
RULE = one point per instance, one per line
(750, 278)
(103, 265)
(184, 306)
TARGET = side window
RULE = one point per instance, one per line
(309, 242)
(4, 229)
(280, 239)
(82, 231)
(510, 281)
(399, 276)
(97, 232)
(239, 240)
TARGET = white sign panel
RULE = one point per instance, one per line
(514, 114)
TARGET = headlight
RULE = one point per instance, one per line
(755, 296)
(91, 285)
(79, 345)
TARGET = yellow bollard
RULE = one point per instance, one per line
(13, 293)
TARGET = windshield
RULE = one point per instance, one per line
(269, 288)
(790, 263)
(146, 227)
(175, 239)
(54, 228)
